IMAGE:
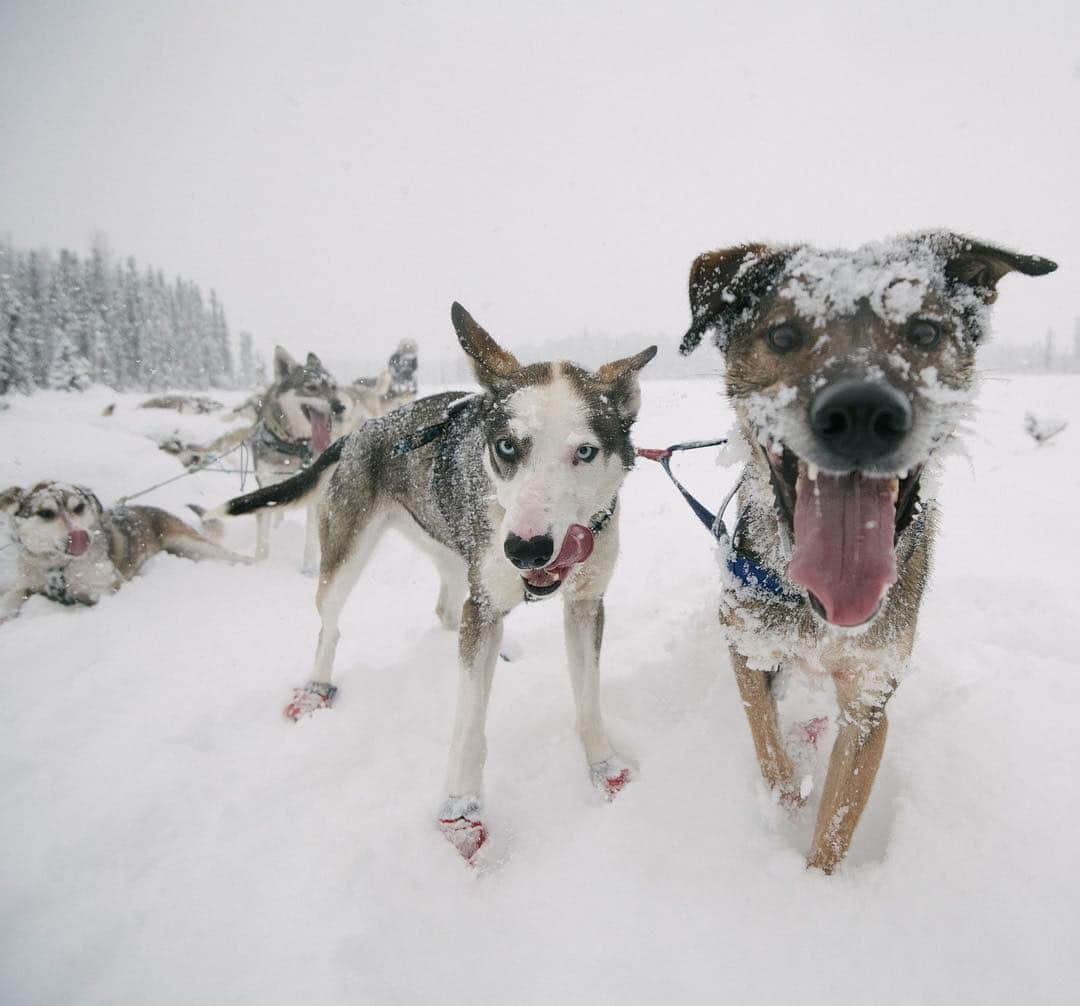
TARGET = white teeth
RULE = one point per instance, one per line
(894, 488)
(811, 471)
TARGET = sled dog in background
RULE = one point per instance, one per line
(72, 551)
(375, 396)
(296, 424)
(848, 371)
(514, 494)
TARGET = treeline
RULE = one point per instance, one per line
(67, 323)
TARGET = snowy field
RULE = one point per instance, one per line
(170, 839)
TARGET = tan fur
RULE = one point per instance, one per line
(739, 293)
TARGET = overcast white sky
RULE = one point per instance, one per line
(341, 173)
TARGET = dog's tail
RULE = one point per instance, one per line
(292, 492)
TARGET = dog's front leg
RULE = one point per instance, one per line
(262, 535)
(759, 702)
(852, 768)
(11, 602)
(460, 817)
(583, 619)
(310, 565)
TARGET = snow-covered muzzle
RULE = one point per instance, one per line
(56, 518)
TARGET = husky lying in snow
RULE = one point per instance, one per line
(848, 372)
(513, 492)
(296, 417)
(72, 551)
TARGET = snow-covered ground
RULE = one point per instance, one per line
(170, 838)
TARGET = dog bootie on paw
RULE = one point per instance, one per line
(610, 776)
(459, 821)
(313, 696)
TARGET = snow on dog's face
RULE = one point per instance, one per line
(306, 399)
(53, 518)
(557, 449)
(848, 369)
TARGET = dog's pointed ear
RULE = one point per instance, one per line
(980, 265)
(91, 498)
(10, 499)
(491, 362)
(724, 284)
(313, 362)
(622, 376)
(283, 362)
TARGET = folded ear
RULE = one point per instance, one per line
(724, 284)
(622, 375)
(283, 363)
(980, 266)
(491, 362)
(313, 362)
(10, 499)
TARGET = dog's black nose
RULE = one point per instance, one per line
(531, 554)
(860, 421)
(338, 406)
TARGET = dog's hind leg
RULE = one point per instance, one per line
(179, 539)
(348, 536)
(310, 565)
(460, 816)
(852, 768)
(583, 621)
(755, 688)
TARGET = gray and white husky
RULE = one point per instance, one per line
(295, 425)
(514, 494)
(71, 550)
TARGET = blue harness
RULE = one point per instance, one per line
(745, 569)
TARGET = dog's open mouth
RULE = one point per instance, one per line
(77, 543)
(320, 427)
(577, 546)
(844, 530)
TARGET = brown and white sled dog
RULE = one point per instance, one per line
(396, 385)
(848, 372)
(296, 424)
(514, 493)
(73, 551)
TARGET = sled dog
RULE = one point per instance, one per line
(849, 371)
(72, 551)
(296, 418)
(375, 396)
(514, 494)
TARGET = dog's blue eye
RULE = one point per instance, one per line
(784, 338)
(506, 448)
(586, 452)
(924, 334)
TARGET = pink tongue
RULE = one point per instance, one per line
(78, 542)
(320, 431)
(844, 555)
(577, 546)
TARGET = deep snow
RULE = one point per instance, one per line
(170, 838)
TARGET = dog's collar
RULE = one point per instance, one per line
(265, 436)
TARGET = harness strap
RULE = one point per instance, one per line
(428, 434)
(745, 569)
(297, 448)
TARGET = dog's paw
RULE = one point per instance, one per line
(803, 741)
(315, 695)
(611, 776)
(460, 823)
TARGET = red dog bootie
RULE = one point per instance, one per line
(313, 696)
